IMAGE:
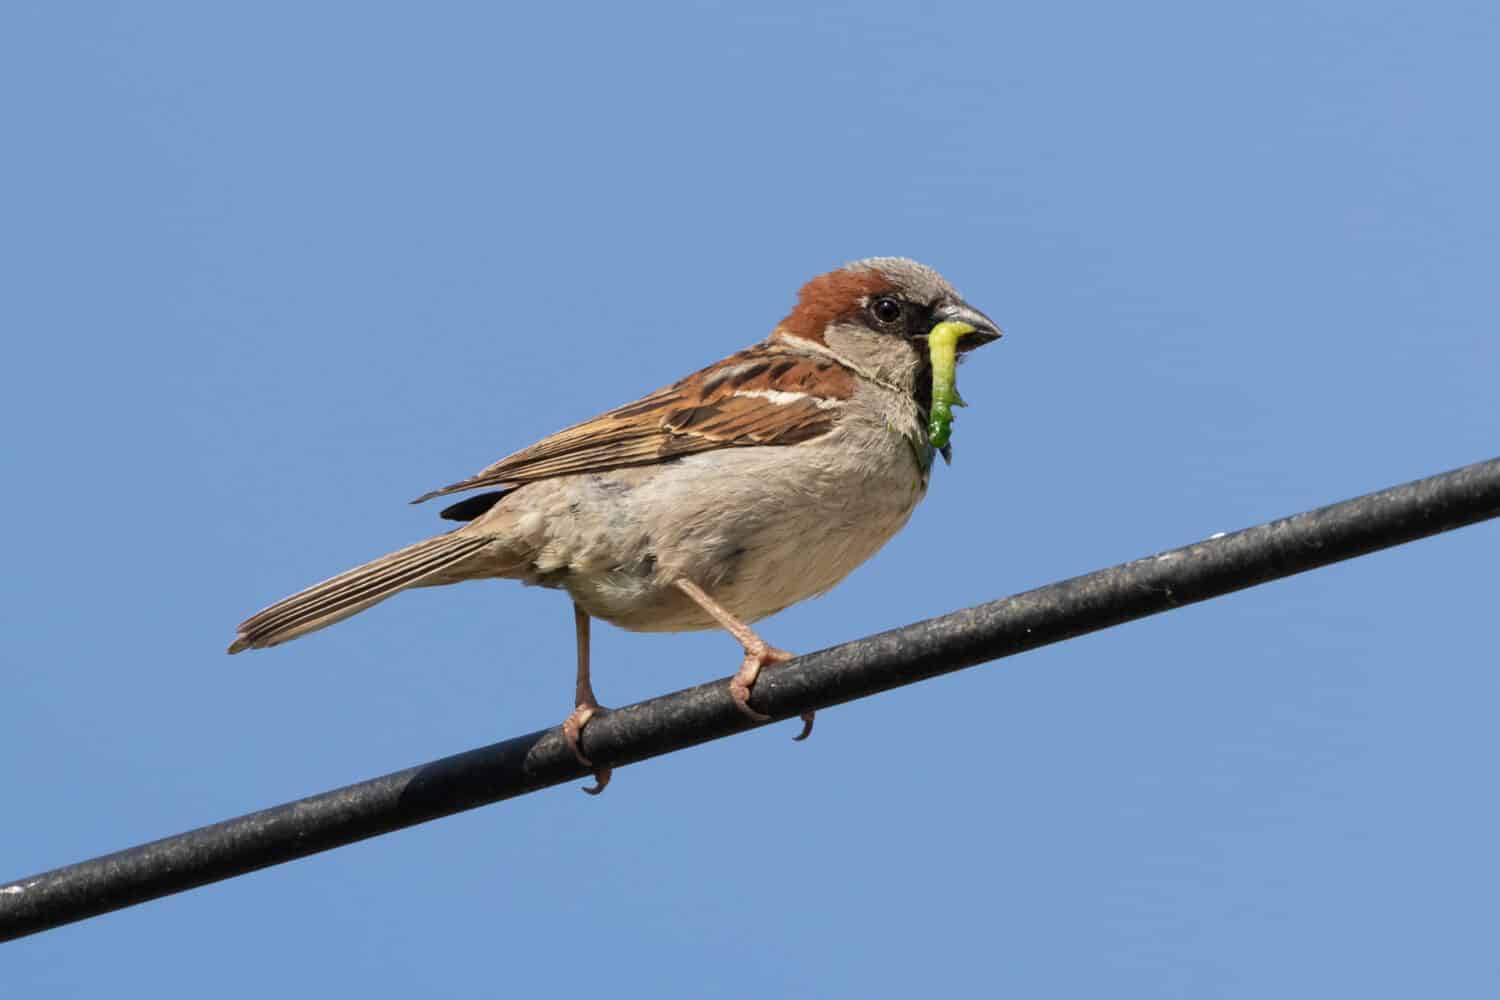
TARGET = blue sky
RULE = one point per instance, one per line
(274, 269)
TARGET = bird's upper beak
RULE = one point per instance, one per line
(985, 330)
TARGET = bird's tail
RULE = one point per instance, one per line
(355, 590)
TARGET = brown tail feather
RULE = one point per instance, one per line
(355, 590)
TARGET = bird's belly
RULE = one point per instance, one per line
(755, 531)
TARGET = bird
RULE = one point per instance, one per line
(752, 484)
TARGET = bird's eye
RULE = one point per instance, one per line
(886, 309)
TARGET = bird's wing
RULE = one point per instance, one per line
(766, 395)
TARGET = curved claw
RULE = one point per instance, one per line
(807, 724)
(740, 692)
(572, 728)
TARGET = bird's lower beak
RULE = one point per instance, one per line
(984, 329)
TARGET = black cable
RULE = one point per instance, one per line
(524, 764)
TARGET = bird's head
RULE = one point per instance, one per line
(875, 315)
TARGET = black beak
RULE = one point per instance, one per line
(985, 330)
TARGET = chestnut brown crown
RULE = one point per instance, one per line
(891, 295)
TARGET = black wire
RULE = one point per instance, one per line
(818, 680)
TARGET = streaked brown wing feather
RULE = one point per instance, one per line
(713, 408)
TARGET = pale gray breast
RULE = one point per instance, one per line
(759, 528)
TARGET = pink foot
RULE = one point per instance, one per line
(742, 682)
(572, 731)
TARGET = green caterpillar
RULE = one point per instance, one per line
(942, 348)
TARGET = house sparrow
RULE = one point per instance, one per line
(758, 482)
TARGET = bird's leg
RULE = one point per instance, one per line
(758, 653)
(587, 705)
